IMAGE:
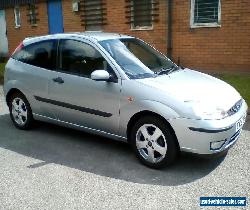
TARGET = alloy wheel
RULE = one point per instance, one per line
(19, 111)
(151, 143)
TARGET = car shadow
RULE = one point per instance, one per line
(97, 155)
(247, 123)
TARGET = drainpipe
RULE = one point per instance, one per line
(169, 29)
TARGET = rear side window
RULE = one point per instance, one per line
(42, 54)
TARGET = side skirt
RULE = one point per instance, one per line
(78, 127)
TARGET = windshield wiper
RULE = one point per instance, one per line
(167, 71)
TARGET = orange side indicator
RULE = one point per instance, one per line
(130, 98)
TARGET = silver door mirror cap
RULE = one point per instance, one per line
(100, 75)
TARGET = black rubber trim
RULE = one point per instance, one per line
(74, 107)
(203, 130)
(208, 156)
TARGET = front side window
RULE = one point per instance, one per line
(205, 13)
(136, 58)
(17, 16)
(141, 14)
(40, 54)
(80, 58)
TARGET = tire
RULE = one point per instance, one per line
(154, 142)
(20, 111)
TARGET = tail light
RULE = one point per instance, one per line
(18, 48)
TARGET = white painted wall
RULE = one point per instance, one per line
(3, 37)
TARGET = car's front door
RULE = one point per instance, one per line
(78, 99)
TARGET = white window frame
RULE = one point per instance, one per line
(142, 28)
(17, 15)
(200, 25)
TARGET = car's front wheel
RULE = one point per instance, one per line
(153, 142)
(20, 111)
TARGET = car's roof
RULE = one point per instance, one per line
(102, 35)
(90, 35)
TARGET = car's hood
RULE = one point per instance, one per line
(192, 86)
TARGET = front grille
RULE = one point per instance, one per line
(235, 108)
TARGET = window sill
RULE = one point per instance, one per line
(33, 25)
(143, 28)
(17, 27)
(205, 25)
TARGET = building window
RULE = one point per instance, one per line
(94, 14)
(17, 15)
(141, 14)
(32, 14)
(205, 13)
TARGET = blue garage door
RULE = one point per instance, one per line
(55, 16)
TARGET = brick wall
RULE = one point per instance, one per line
(71, 20)
(226, 48)
(116, 22)
(16, 35)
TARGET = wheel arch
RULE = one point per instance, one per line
(144, 113)
(11, 92)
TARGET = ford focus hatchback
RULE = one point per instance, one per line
(120, 87)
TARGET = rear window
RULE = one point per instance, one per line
(41, 54)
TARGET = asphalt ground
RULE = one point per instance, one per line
(51, 167)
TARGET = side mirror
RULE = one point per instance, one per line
(100, 75)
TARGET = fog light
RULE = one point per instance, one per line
(216, 145)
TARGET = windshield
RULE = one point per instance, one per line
(136, 58)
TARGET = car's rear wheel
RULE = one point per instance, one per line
(154, 142)
(20, 111)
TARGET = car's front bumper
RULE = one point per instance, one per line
(208, 136)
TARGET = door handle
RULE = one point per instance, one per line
(58, 80)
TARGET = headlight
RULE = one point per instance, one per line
(207, 111)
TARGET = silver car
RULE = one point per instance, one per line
(120, 87)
